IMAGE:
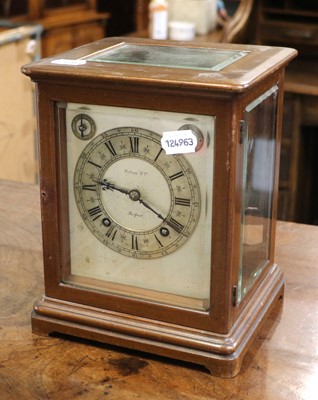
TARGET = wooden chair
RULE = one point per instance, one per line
(236, 28)
(233, 30)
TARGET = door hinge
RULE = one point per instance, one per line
(234, 296)
(242, 131)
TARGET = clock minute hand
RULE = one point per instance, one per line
(151, 209)
(172, 225)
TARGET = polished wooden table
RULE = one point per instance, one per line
(281, 364)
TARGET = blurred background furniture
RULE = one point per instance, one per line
(66, 23)
(30, 29)
(294, 23)
(123, 15)
(233, 30)
(18, 149)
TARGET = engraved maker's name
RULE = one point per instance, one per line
(135, 173)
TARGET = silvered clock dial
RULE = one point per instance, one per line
(133, 197)
(140, 204)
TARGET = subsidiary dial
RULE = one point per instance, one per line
(83, 127)
(197, 132)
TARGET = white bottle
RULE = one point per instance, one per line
(158, 19)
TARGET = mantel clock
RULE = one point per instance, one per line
(158, 179)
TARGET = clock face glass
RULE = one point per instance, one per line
(140, 202)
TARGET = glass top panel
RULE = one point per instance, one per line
(169, 56)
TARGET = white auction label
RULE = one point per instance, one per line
(64, 61)
(179, 142)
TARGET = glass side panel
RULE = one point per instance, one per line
(169, 56)
(258, 186)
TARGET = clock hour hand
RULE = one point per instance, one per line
(106, 185)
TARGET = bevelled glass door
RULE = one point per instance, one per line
(257, 187)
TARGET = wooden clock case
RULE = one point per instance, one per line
(218, 337)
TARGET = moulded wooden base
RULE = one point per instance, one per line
(222, 355)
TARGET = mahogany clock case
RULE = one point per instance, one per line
(218, 335)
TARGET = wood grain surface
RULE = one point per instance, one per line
(282, 363)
